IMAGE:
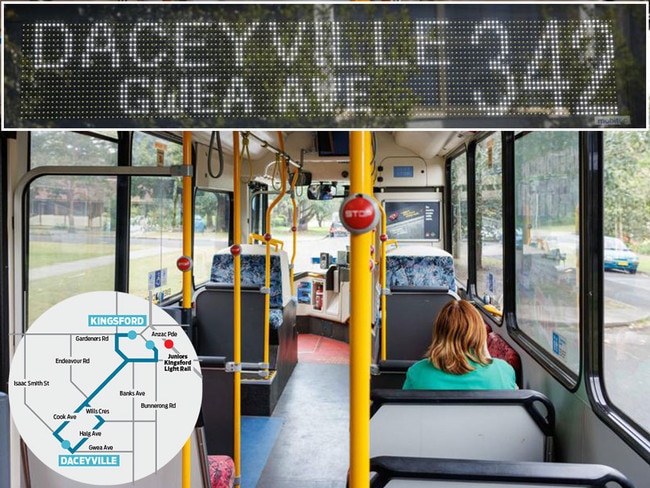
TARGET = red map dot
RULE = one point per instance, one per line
(169, 343)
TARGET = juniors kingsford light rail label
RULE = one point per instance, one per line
(324, 65)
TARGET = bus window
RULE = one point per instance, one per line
(211, 230)
(64, 148)
(318, 228)
(489, 228)
(546, 209)
(459, 217)
(156, 218)
(626, 225)
(70, 221)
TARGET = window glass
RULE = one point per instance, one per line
(459, 216)
(156, 238)
(489, 228)
(211, 228)
(64, 148)
(547, 243)
(318, 229)
(149, 150)
(71, 235)
(626, 263)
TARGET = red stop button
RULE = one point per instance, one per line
(184, 263)
(359, 213)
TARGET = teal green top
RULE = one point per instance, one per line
(496, 376)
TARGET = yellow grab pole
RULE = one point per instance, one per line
(294, 225)
(383, 238)
(360, 318)
(187, 276)
(267, 238)
(236, 252)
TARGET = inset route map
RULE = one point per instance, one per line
(105, 388)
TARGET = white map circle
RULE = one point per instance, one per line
(105, 388)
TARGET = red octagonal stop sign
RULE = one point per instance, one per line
(359, 213)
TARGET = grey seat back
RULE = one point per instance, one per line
(515, 425)
(410, 313)
(214, 322)
(405, 472)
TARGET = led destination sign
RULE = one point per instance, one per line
(126, 65)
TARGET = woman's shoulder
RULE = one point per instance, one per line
(501, 363)
(421, 364)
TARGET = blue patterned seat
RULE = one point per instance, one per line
(420, 266)
(253, 270)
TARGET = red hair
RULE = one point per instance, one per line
(459, 335)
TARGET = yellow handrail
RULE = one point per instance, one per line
(360, 318)
(383, 238)
(187, 279)
(294, 224)
(236, 253)
(268, 238)
(273, 242)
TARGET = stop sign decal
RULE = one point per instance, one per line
(359, 213)
(184, 263)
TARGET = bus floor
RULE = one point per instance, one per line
(311, 450)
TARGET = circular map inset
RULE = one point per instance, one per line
(105, 388)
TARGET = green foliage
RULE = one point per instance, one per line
(626, 189)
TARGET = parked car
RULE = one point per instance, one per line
(617, 255)
(337, 230)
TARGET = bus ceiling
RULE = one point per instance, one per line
(331, 146)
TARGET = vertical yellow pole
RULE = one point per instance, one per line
(236, 252)
(187, 277)
(267, 238)
(294, 225)
(382, 280)
(360, 318)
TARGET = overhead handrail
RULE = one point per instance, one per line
(280, 152)
(273, 242)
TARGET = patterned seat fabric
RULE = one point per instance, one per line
(420, 271)
(499, 348)
(222, 471)
(253, 270)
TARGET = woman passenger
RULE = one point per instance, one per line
(457, 358)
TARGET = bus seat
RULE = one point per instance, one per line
(214, 322)
(499, 348)
(391, 373)
(410, 313)
(516, 425)
(420, 266)
(397, 472)
(222, 471)
(217, 411)
(216, 470)
(253, 271)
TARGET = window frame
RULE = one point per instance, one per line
(592, 277)
(568, 378)
(123, 172)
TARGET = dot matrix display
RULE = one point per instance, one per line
(128, 65)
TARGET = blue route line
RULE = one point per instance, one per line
(86, 402)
